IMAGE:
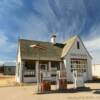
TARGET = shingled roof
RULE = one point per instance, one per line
(52, 52)
(68, 45)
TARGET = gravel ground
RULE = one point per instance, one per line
(28, 93)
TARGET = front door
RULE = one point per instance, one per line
(43, 67)
(78, 79)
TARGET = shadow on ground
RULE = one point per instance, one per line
(96, 91)
(71, 90)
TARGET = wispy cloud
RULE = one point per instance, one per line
(7, 48)
(37, 19)
(93, 45)
(63, 17)
(11, 3)
(94, 48)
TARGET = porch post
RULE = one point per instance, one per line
(61, 66)
(21, 71)
(37, 69)
(38, 76)
(49, 65)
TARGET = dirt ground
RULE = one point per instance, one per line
(7, 80)
(28, 93)
(10, 91)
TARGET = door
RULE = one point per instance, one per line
(45, 75)
(43, 67)
(78, 78)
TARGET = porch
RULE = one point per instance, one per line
(31, 68)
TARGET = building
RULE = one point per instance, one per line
(1, 69)
(96, 70)
(8, 68)
(71, 55)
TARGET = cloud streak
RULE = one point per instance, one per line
(7, 48)
(93, 45)
(37, 19)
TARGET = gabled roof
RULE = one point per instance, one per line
(85, 48)
(68, 45)
(52, 51)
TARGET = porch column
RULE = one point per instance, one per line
(21, 75)
(38, 76)
(49, 65)
(61, 66)
(37, 69)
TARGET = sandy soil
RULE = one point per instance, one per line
(6, 80)
(28, 93)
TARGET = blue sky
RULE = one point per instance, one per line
(37, 19)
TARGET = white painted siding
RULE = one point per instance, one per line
(81, 51)
(73, 53)
(29, 79)
(96, 70)
(68, 69)
(18, 65)
(78, 53)
(89, 72)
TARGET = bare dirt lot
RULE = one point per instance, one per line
(10, 91)
(7, 80)
(28, 93)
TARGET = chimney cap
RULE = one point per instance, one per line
(53, 38)
(54, 35)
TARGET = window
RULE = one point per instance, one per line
(29, 65)
(29, 69)
(78, 45)
(79, 65)
(55, 65)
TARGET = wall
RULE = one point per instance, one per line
(18, 66)
(78, 53)
(96, 70)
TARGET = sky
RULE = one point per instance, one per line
(37, 19)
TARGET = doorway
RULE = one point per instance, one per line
(43, 67)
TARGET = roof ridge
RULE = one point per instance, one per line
(38, 41)
(71, 38)
(53, 52)
(68, 45)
